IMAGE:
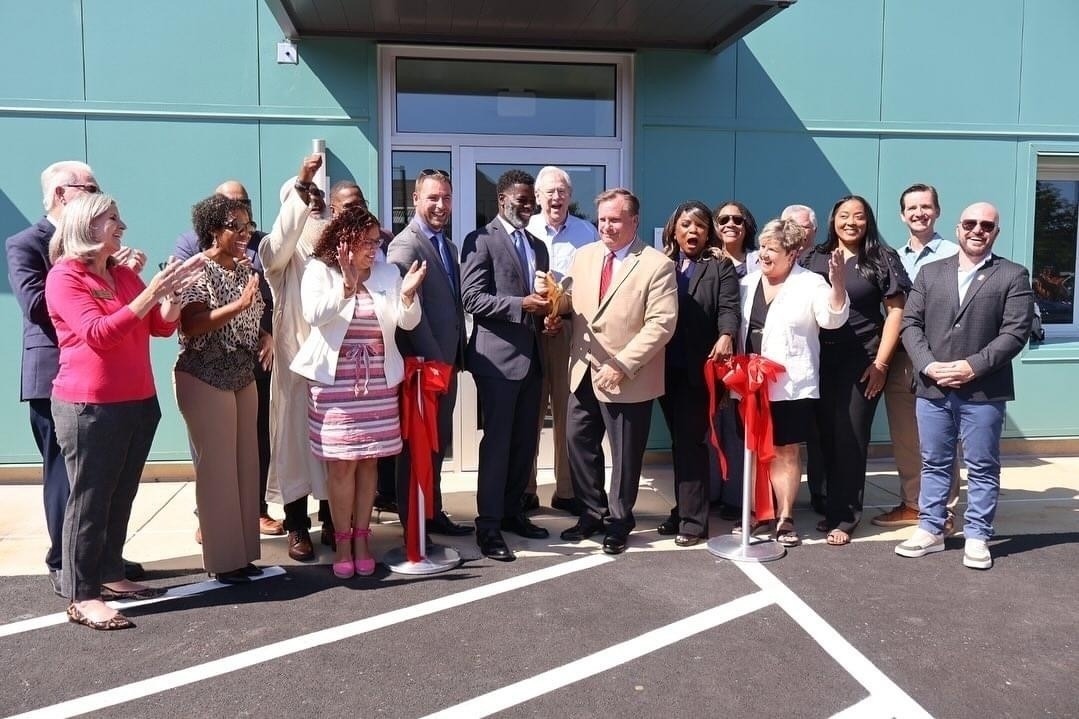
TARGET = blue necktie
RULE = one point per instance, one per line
(520, 244)
(444, 254)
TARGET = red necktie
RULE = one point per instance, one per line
(605, 275)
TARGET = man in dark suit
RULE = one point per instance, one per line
(441, 333)
(965, 320)
(28, 265)
(187, 244)
(624, 307)
(499, 262)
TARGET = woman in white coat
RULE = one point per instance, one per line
(354, 304)
(784, 306)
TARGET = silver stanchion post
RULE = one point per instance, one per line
(746, 548)
(434, 558)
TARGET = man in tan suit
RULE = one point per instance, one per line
(624, 306)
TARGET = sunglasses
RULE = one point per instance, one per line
(432, 173)
(92, 189)
(234, 226)
(986, 225)
(728, 219)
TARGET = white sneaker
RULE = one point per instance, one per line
(920, 544)
(976, 554)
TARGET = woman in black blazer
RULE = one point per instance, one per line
(708, 318)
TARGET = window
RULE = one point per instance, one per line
(1056, 236)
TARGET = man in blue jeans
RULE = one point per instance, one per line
(962, 350)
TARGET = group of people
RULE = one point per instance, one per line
(293, 346)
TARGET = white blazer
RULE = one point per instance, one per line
(791, 333)
(329, 314)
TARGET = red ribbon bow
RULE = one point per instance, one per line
(423, 383)
(749, 376)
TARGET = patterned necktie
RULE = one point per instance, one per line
(519, 244)
(605, 275)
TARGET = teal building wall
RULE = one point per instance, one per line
(165, 100)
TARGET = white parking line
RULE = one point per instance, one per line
(187, 590)
(601, 661)
(882, 690)
(251, 657)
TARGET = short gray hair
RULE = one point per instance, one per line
(73, 239)
(789, 210)
(56, 175)
(549, 170)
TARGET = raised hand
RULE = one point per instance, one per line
(412, 280)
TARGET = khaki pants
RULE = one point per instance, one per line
(555, 353)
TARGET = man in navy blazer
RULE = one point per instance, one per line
(440, 335)
(28, 265)
(499, 262)
(966, 318)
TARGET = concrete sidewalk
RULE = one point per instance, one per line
(1039, 495)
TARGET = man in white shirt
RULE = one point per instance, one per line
(562, 233)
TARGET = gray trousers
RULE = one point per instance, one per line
(105, 448)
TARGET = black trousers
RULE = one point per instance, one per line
(508, 448)
(55, 486)
(844, 419)
(685, 407)
(626, 426)
(262, 427)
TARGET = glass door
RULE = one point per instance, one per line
(475, 204)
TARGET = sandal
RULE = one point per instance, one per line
(841, 534)
(343, 569)
(364, 567)
(755, 525)
(786, 534)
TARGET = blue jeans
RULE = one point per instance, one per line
(941, 423)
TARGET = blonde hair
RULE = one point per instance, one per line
(790, 235)
(73, 238)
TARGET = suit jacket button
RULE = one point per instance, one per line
(958, 325)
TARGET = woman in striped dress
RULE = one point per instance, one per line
(354, 304)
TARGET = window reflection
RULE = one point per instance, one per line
(505, 98)
(406, 167)
(1056, 230)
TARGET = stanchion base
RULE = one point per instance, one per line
(758, 550)
(439, 559)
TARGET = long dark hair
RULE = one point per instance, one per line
(700, 212)
(873, 253)
(749, 240)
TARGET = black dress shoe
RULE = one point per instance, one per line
(586, 526)
(669, 526)
(493, 546)
(441, 524)
(299, 546)
(325, 536)
(688, 540)
(55, 579)
(133, 571)
(571, 505)
(385, 504)
(529, 502)
(251, 570)
(614, 543)
(523, 526)
(236, 576)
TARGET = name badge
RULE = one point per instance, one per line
(102, 294)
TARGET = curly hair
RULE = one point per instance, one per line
(749, 241)
(210, 215)
(349, 226)
(699, 212)
(510, 178)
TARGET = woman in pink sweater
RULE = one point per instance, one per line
(104, 401)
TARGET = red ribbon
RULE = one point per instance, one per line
(423, 383)
(714, 371)
(750, 377)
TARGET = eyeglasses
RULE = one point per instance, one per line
(235, 226)
(368, 245)
(727, 219)
(556, 192)
(986, 225)
(92, 189)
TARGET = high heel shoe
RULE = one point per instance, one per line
(364, 567)
(343, 569)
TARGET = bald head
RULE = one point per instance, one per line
(979, 225)
(232, 189)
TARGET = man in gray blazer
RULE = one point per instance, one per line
(965, 320)
(441, 333)
(499, 262)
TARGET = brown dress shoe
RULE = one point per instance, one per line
(901, 516)
(270, 526)
(299, 546)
